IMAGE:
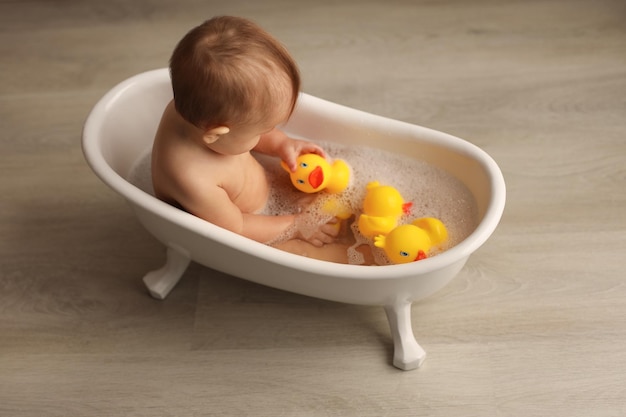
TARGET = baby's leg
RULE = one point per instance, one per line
(332, 252)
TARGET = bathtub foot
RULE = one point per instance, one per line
(407, 354)
(161, 281)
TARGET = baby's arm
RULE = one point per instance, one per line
(213, 204)
(277, 143)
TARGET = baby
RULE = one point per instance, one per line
(233, 83)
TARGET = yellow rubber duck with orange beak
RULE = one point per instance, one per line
(382, 207)
(314, 173)
(412, 242)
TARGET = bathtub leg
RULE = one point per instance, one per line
(407, 354)
(161, 281)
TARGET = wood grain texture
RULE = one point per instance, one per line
(533, 326)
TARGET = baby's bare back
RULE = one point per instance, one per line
(183, 169)
(206, 176)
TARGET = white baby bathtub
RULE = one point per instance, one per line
(120, 129)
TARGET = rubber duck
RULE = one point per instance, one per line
(315, 174)
(337, 209)
(412, 242)
(382, 207)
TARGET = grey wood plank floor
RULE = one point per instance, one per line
(534, 325)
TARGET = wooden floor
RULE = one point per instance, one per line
(534, 325)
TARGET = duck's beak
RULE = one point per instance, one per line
(316, 177)
(421, 255)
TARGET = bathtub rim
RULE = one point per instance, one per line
(92, 150)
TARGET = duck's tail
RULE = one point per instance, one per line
(435, 229)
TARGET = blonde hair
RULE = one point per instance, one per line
(229, 71)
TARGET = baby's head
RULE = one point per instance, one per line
(230, 72)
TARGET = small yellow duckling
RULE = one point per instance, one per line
(315, 174)
(382, 206)
(412, 242)
(338, 209)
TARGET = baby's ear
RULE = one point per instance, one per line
(213, 134)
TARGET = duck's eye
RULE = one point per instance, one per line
(403, 253)
(300, 181)
(303, 164)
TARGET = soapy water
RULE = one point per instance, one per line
(432, 191)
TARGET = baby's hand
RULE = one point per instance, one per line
(277, 143)
(316, 234)
(293, 148)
